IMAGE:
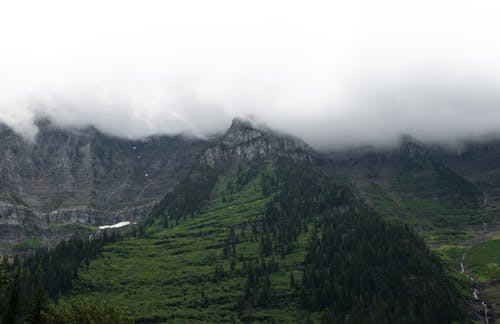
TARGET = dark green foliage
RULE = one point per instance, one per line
(4, 277)
(463, 192)
(37, 313)
(302, 194)
(53, 270)
(258, 291)
(278, 243)
(12, 314)
(360, 266)
(219, 272)
(245, 175)
(84, 312)
(438, 182)
(293, 283)
(187, 200)
(229, 248)
(484, 260)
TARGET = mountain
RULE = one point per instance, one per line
(258, 231)
(244, 143)
(67, 177)
(256, 226)
(479, 163)
(413, 183)
(451, 197)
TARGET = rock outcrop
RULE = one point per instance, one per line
(244, 142)
(84, 176)
(88, 178)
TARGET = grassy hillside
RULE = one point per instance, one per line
(181, 273)
(427, 195)
(264, 249)
(484, 260)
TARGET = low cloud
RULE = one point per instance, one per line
(337, 76)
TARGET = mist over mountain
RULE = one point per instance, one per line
(335, 75)
(241, 162)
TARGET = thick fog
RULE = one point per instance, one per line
(361, 72)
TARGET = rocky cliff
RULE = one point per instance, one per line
(83, 176)
(245, 142)
(68, 177)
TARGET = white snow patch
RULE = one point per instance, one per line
(117, 225)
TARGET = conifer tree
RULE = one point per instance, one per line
(12, 313)
(37, 312)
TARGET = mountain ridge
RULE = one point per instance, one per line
(261, 222)
(243, 142)
(84, 176)
(275, 240)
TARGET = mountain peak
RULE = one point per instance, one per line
(241, 131)
(239, 123)
(244, 142)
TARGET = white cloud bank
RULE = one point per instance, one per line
(334, 74)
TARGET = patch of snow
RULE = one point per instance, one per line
(117, 225)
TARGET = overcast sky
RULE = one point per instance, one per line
(356, 72)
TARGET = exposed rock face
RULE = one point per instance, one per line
(84, 176)
(244, 143)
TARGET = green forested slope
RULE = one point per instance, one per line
(280, 243)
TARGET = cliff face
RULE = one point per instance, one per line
(244, 143)
(84, 176)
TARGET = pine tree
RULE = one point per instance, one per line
(4, 277)
(292, 281)
(13, 309)
(38, 308)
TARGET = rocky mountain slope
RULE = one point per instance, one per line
(243, 143)
(85, 177)
(69, 176)
(259, 231)
(241, 216)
